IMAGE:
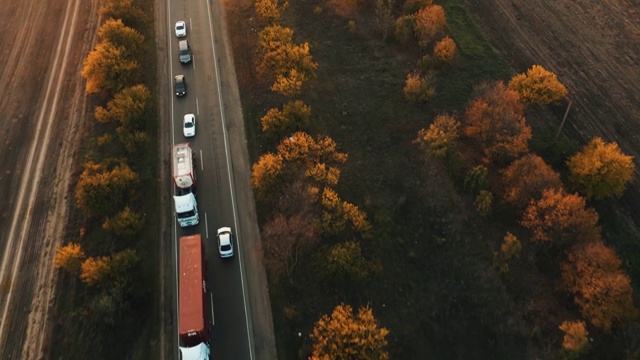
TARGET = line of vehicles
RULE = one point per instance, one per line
(194, 330)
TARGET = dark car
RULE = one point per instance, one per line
(180, 85)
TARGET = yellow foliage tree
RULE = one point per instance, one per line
(102, 190)
(269, 11)
(440, 137)
(289, 84)
(69, 257)
(445, 49)
(510, 247)
(294, 115)
(266, 173)
(107, 68)
(428, 21)
(343, 336)
(128, 39)
(538, 86)
(576, 338)
(94, 271)
(601, 170)
(337, 214)
(280, 55)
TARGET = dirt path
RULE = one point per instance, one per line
(594, 48)
(42, 112)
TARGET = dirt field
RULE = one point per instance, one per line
(592, 45)
(42, 109)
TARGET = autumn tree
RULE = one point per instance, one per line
(483, 202)
(103, 189)
(419, 88)
(428, 21)
(561, 217)
(107, 68)
(269, 11)
(265, 175)
(538, 86)
(601, 170)
(495, 118)
(280, 55)
(526, 178)
(285, 241)
(413, 6)
(125, 10)
(95, 270)
(117, 33)
(124, 269)
(289, 84)
(441, 136)
(293, 116)
(343, 336)
(130, 107)
(134, 141)
(126, 224)
(445, 49)
(303, 151)
(575, 340)
(601, 289)
(69, 257)
(339, 215)
(510, 247)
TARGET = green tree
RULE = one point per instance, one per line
(601, 170)
(69, 257)
(495, 118)
(131, 107)
(345, 264)
(538, 86)
(441, 136)
(476, 179)
(107, 68)
(117, 33)
(428, 22)
(126, 224)
(134, 141)
(561, 217)
(101, 189)
(404, 29)
(124, 268)
(343, 336)
(526, 178)
(483, 202)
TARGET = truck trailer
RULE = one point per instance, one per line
(184, 178)
(193, 332)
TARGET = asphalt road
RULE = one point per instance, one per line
(236, 285)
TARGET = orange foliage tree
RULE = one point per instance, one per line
(337, 214)
(266, 173)
(95, 271)
(538, 86)
(601, 290)
(561, 217)
(428, 21)
(343, 336)
(440, 137)
(107, 68)
(269, 11)
(601, 170)
(280, 55)
(445, 49)
(576, 338)
(418, 88)
(69, 257)
(496, 119)
(117, 33)
(526, 178)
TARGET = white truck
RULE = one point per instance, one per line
(184, 177)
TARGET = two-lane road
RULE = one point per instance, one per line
(230, 337)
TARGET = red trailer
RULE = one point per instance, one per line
(193, 292)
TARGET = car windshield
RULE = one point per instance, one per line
(225, 247)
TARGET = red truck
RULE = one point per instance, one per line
(194, 337)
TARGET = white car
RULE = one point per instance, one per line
(181, 29)
(189, 125)
(225, 242)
